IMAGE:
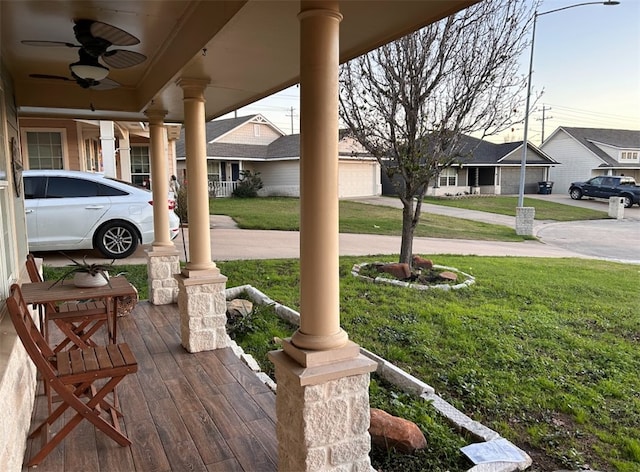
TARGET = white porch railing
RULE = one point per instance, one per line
(222, 189)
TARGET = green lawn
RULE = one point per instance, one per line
(545, 210)
(283, 214)
(544, 351)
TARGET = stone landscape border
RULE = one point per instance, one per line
(396, 376)
(468, 279)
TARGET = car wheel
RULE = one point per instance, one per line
(575, 194)
(116, 240)
(628, 203)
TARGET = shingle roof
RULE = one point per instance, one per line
(236, 151)
(285, 146)
(478, 152)
(620, 138)
(214, 129)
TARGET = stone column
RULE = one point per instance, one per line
(323, 414)
(163, 257)
(201, 297)
(322, 403)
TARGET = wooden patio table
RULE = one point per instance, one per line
(50, 292)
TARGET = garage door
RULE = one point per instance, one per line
(358, 179)
(510, 180)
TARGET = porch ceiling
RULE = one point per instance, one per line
(252, 50)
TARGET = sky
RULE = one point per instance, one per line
(586, 64)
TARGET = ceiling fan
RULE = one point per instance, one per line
(95, 38)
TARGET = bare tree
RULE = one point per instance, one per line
(409, 102)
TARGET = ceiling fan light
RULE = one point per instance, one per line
(95, 72)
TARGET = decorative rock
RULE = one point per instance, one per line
(422, 263)
(389, 431)
(446, 275)
(239, 308)
(400, 270)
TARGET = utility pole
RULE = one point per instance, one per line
(291, 115)
(544, 109)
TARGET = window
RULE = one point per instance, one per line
(44, 149)
(67, 187)
(140, 166)
(448, 177)
(92, 161)
(629, 156)
(213, 175)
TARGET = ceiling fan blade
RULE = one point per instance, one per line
(49, 76)
(112, 34)
(105, 84)
(49, 44)
(121, 58)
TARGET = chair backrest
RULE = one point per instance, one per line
(33, 341)
(32, 269)
(34, 276)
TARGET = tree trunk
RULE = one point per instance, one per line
(408, 226)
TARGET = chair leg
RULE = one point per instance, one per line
(90, 411)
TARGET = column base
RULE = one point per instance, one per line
(203, 312)
(320, 343)
(163, 263)
(524, 220)
(323, 412)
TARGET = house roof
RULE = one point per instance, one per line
(618, 138)
(218, 128)
(214, 130)
(480, 152)
(285, 147)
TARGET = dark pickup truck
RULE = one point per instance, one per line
(606, 186)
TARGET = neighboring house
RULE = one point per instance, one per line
(253, 143)
(118, 149)
(588, 152)
(488, 168)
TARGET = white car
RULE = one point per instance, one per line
(67, 210)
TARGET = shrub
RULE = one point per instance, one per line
(181, 205)
(248, 185)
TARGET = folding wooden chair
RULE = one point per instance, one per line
(82, 378)
(77, 321)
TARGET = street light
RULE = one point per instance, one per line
(523, 163)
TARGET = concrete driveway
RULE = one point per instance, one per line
(613, 239)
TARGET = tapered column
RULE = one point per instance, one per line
(159, 177)
(197, 185)
(201, 287)
(322, 405)
(163, 260)
(319, 280)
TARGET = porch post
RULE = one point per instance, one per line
(201, 297)
(159, 177)
(108, 146)
(322, 403)
(163, 257)
(319, 233)
(197, 186)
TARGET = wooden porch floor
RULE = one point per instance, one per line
(183, 412)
